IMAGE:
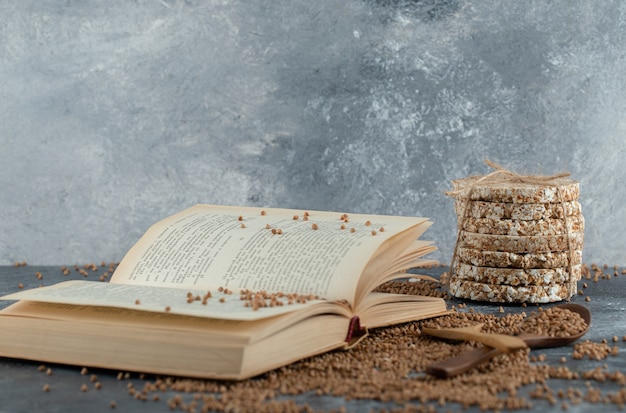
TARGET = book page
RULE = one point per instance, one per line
(234, 330)
(207, 247)
(382, 309)
(220, 305)
(391, 258)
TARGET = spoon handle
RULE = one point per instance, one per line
(502, 342)
(463, 362)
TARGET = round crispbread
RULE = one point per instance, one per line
(517, 276)
(517, 211)
(523, 228)
(503, 259)
(508, 294)
(559, 190)
(522, 244)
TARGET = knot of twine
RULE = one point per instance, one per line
(503, 175)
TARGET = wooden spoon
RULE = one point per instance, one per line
(504, 343)
(465, 361)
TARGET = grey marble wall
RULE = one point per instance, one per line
(114, 114)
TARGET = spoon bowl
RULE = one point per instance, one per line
(541, 341)
(465, 361)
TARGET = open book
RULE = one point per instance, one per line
(227, 292)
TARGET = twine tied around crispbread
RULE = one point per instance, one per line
(501, 175)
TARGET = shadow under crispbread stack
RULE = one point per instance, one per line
(520, 238)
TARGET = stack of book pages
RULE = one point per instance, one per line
(520, 238)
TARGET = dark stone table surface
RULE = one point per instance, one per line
(21, 383)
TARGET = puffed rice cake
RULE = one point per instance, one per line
(517, 276)
(517, 211)
(502, 259)
(551, 226)
(509, 294)
(560, 190)
(521, 244)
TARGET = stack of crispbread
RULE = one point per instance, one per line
(519, 240)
